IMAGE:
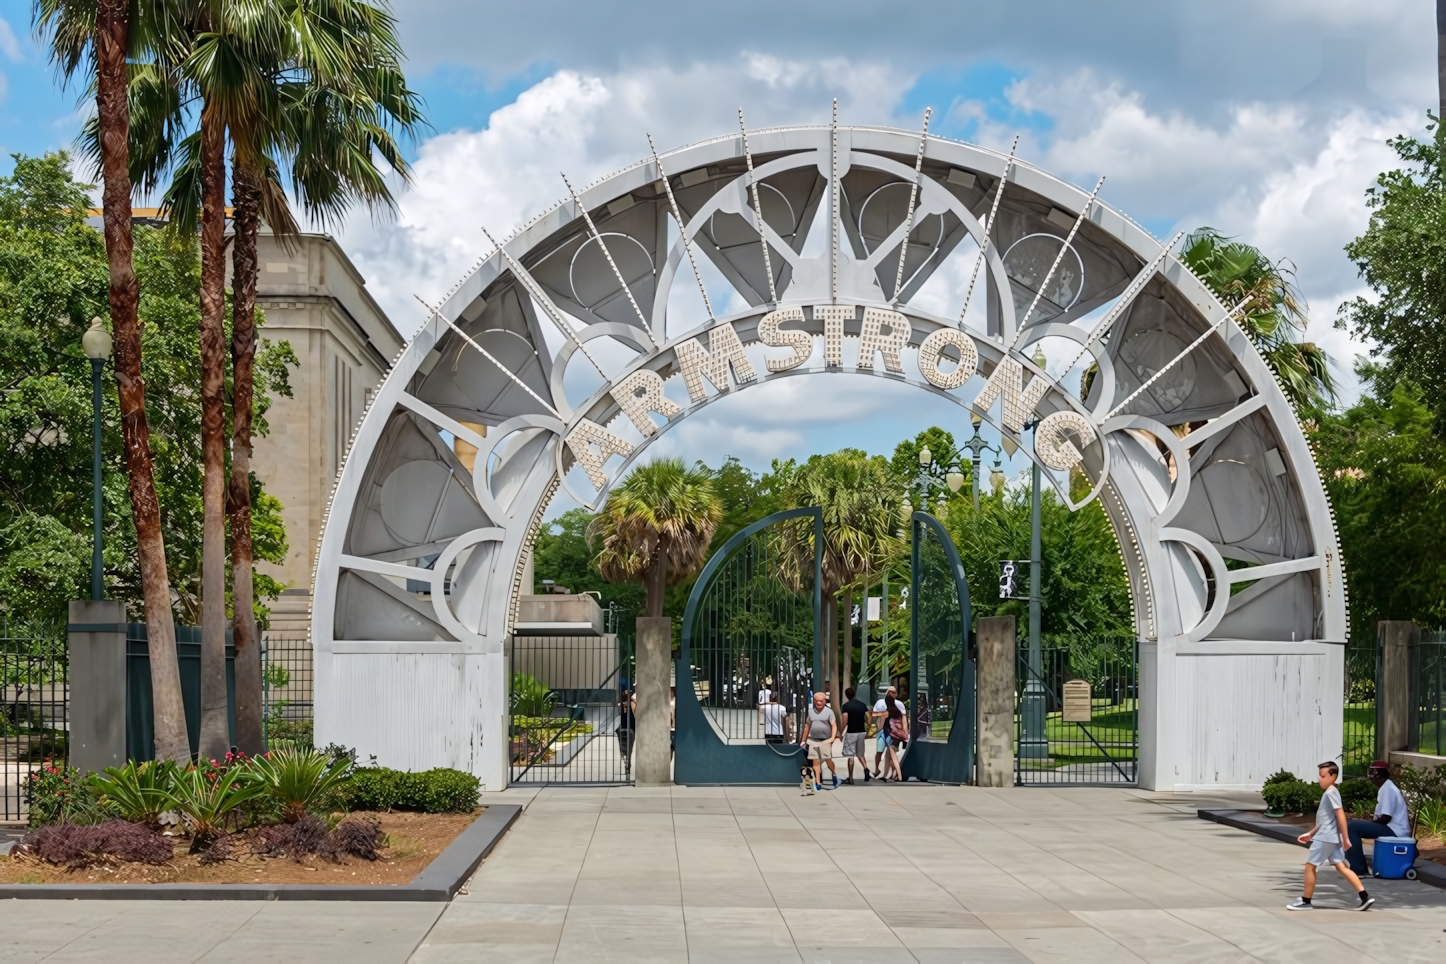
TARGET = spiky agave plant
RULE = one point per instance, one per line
(301, 781)
(211, 800)
(139, 792)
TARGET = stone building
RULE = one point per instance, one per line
(314, 298)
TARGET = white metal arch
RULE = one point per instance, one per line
(1196, 454)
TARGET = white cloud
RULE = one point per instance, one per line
(585, 126)
(9, 44)
(1283, 177)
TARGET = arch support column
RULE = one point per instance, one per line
(654, 764)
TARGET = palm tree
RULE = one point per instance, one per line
(341, 96)
(860, 501)
(656, 527)
(97, 36)
(316, 87)
(1276, 313)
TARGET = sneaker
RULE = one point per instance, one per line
(817, 786)
(835, 781)
(1366, 903)
(1300, 903)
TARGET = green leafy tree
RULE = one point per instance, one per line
(657, 527)
(1275, 315)
(1402, 258)
(1083, 586)
(53, 278)
(861, 501)
(1385, 470)
(928, 484)
(563, 554)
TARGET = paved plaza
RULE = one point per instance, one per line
(913, 873)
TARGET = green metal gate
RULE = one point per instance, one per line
(941, 664)
(751, 632)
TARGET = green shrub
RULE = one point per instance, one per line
(289, 734)
(1293, 796)
(433, 791)
(1421, 786)
(58, 794)
(1357, 794)
(139, 792)
(1281, 776)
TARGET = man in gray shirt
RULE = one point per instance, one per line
(819, 730)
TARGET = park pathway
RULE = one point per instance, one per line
(866, 873)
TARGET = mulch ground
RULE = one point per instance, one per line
(413, 840)
(1428, 847)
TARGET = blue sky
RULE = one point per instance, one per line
(1266, 119)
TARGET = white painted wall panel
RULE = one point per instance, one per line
(1245, 716)
(415, 711)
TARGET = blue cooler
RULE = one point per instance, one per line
(1394, 857)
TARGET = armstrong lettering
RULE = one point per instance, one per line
(883, 333)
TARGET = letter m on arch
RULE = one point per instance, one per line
(724, 349)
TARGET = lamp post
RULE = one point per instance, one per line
(977, 447)
(930, 466)
(1034, 742)
(96, 343)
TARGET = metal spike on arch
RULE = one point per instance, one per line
(1226, 533)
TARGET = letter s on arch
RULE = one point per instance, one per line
(773, 336)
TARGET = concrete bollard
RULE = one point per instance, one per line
(994, 764)
(653, 765)
(1399, 641)
(97, 642)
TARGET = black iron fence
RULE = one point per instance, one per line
(34, 698)
(1428, 697)
(287, 694)
(570, 710)
(1358, 711)
(1078, 712)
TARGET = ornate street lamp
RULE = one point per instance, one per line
(977, 447)
(1034, 741)
(96, 343)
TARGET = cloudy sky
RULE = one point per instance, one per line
(1267, 119)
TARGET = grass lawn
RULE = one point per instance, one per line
(1114, 728)
(1359, 743)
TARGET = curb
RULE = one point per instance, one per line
(438, 881)
(1428, 871)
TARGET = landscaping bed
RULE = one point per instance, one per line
(287, 824)
(412, 841)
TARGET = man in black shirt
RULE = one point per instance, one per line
(856, 733)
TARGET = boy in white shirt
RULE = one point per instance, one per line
(1325, 842)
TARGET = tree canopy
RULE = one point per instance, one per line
(1401, 256)
(53, 279)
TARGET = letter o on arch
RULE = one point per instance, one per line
(933, 347)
